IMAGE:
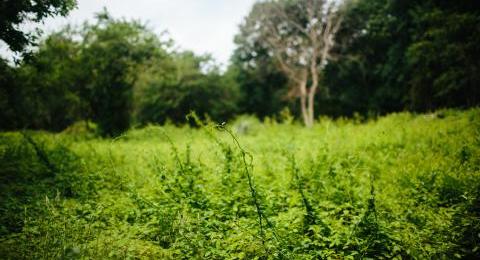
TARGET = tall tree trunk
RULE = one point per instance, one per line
(307, 110)
(312, 90)
(303, 98)
(311, 103)
(303, 106)
(311, 109)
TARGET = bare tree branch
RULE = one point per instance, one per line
(300, 36)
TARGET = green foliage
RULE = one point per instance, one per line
(263, 86)
(444, 53)
(371, 73)
(115, 73)
(396, 55)
(8, 112)
(46, 82)
(181, 83)
(13, 13)
(402, 186)
(112, 55)
(389, 56)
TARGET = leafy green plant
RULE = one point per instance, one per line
(402, 186)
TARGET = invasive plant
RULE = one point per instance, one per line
(311, 217)
(248, 165)
(347, 191)
(40, 152)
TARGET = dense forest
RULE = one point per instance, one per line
(388, 56)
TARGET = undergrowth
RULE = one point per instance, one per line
(402, 186)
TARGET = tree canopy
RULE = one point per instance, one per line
(299, 37)
(365, 57)
(14, 13)
(397, 55)
(115, 73)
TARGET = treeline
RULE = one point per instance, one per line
(116, 73)
(390, 55)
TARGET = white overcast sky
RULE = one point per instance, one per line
(203, 26)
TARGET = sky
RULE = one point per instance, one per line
(202, 26)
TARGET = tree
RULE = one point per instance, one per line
(173, 86)
(299, 35)
(444, 53)
(8, 87)
(112, 72)
(113, 53)
(397, 55)
(41, 92)
(369, 75)
(13, 13)
(50, 82)
(263, 87)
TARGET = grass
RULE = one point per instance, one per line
(402, 186)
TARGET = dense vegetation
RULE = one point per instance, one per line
(389, 56)
(101, 156)
(117, 75)
(14, 13)
(401, 186)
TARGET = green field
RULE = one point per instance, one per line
(404, 186)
